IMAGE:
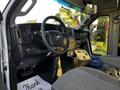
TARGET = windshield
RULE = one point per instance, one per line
(43, 8)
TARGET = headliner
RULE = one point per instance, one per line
(103, 5)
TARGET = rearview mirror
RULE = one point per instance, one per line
(90, 9)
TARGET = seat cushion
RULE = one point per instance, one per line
(85, 78)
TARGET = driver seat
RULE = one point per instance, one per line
(84, 78)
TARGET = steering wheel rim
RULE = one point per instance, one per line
(44, 39)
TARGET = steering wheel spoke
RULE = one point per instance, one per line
(51, 41)
(48, 37)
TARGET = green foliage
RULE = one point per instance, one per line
(101, 32)
(100, 41)
(99, 47)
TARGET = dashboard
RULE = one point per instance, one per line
(27, 40)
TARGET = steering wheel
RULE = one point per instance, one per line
(54, 40)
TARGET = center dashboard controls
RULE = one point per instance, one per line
(82, 57)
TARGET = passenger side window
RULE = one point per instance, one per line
(99, 35)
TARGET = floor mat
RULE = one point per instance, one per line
(34, 83)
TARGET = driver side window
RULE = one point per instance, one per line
(99, 35)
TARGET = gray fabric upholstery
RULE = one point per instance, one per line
(111, 60)
(86, 79)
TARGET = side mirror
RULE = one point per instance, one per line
(1, 17)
